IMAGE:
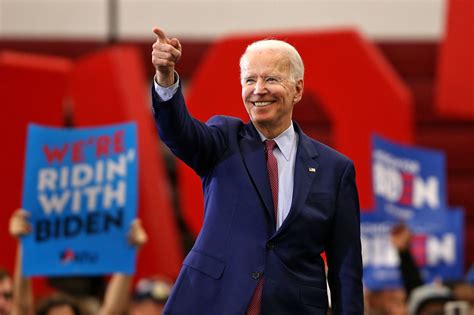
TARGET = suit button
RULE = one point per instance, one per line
(256, 275)
(270, 246)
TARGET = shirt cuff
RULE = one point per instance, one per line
(166, 93)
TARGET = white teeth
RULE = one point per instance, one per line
(259, 104)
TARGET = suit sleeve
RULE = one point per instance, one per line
(197, 144)
(344, 255)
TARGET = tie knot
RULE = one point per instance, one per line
(270, 145)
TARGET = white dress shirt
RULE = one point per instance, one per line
(166, 93)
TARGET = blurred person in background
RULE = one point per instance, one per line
(389, 301)
(6, 293)
(429, 299)
(401, 238)
(393, 301)
(463, 291)
(150, 296)
(116, 296)
(425, 299)
(58, 305)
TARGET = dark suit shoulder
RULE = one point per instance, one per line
(325, 152)
(228, 125)
(218, 120)
(333, 153)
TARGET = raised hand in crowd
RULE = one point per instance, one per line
(22, 292)
(19, 224)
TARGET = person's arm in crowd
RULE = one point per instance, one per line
(23, 303)
(117, 294)
(401, 238)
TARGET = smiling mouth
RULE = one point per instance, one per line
(262, 104)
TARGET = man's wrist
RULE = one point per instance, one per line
(166, 93)
(165, 80)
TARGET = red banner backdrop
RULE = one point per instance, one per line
(32, 91)
(455, 90)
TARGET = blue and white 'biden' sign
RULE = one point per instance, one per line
(407, 179)
(80, 187)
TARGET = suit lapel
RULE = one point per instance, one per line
(254, 159)
(306, 169)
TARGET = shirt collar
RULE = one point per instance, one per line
(284, 141)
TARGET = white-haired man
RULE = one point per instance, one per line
(274, 198)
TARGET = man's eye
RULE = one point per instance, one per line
(249, 81)
(271, 79)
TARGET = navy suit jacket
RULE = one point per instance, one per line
(238, 242)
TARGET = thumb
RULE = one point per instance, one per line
(175, 43)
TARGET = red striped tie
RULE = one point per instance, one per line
(272, 168)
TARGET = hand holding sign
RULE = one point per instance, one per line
(136, 234)
(165, 55)
(19, 225)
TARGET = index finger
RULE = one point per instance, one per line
(161, 35)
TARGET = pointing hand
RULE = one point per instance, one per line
(165, 55)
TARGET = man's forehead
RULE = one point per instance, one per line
(268, 63)
(265, 54)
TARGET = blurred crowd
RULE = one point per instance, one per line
(416, 297)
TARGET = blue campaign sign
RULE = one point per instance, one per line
(80, 187)
(438, 243)
(407, 179)
(437, 247)
(380, 258)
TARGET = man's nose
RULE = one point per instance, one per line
(260, 87)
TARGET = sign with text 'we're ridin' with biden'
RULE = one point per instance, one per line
(80, 187)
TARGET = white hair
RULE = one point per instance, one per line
(294, 58)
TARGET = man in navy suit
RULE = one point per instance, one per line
(275, 199)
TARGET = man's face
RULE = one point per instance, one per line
(6, 296)
(268, 92)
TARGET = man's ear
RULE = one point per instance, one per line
(299, 91)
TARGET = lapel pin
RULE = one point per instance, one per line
(312, 170)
